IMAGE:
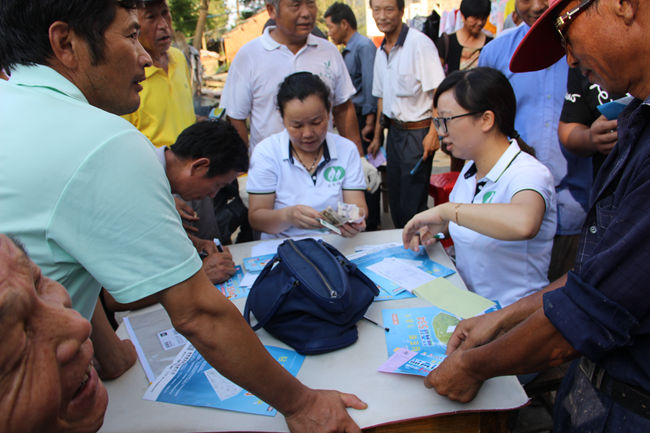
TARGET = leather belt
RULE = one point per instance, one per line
(420, 124)
(630, 397)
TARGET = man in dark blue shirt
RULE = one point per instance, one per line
(600, 311)
(359, 57)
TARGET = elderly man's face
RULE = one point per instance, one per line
(387, 15)
(530, 10)
(599, 55)
(47, 383)
(156, 28)
(294, 19)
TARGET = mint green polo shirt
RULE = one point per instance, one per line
(83, 190)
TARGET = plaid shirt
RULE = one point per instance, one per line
(604, 309)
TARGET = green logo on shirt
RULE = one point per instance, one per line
(487, 198)
(334, 174)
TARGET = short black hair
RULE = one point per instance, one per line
(476, 8)
(482, 89)
(24, 27)
(216, 140)
(400, 4)
(340, 11)
(300, 85)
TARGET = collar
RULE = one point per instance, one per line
(400, 39)
(160, 153)
(152, 70)
(501, 165)
(354, 39)
(328, 154)
(45, 77)
(271, 44)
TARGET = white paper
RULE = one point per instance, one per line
(271, 246)
(407, 276)
(249, 279)
(170, 338)
(224, 388)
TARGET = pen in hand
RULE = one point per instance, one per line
(217, 242)
(417, 165)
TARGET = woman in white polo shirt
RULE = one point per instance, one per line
(502, 211)
(302, 170)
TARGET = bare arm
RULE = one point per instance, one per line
(345, 120)
(264, 218)
(584, 140)
(533, 345)
(113, 356)
(520, 219)
(240, 126)
(358, 198)
(218, 331)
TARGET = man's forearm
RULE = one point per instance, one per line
(532, 346)
(218, 331)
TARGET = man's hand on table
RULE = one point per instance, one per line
(219, 266)
(453, 379)
(476, 331)
(325, 411)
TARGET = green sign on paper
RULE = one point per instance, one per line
(443, 294)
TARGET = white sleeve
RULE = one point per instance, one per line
(533, 175)
(427, 65)
(354, 178)
(237, 97)
(377, 77)
(264, 168)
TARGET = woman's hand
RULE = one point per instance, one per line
(422, 228)
(349, 230)
(304, 217)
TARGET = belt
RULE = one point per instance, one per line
(420, 124)
(628, 396)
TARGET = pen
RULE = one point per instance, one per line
(217, 242)
(375, 323)
(439, 236)
(414, 169)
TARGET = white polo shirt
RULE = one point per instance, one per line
(496, 269)
(259, 68)
(407, 76)
(274, 170)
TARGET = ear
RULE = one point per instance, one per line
(271, 10)
(200, 167)
(488, 121)
(626, 9)
(64, 44)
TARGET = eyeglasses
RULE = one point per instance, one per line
(562, 22)
(441, 122)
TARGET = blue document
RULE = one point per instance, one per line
(257, 263)
(389, 289)
(191, 381)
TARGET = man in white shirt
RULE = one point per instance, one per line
(407, 71)
(260, 66)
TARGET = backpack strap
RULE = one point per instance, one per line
(280, 294)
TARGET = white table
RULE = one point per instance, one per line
(391, 398)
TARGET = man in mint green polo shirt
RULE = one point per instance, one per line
(82, 189)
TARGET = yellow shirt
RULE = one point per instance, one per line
(166, 106)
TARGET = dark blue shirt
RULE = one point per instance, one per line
(604, 309)
(359, 57)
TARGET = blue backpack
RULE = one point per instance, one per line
(310, 297)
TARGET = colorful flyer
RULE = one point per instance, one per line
(231, 288)
(191, 381)
(406, 361)
(256, 264)
(424, 329)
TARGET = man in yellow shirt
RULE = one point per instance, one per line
(166, 106)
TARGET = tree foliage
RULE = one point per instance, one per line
(185, 15)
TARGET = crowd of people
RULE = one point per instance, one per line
(109, 186)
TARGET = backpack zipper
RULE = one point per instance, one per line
(333, 293)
